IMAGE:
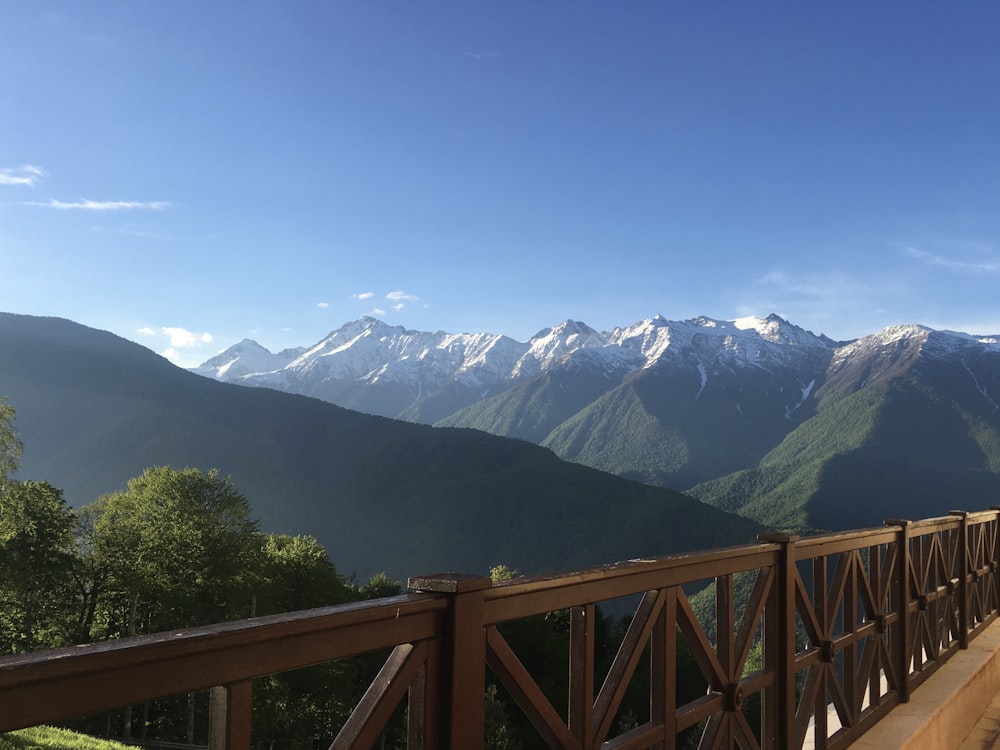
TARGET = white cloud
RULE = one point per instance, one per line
(363, 295)
(27, 174)
(146, 331)
(988, 263)
(89, 205)
(323, 305)
(378, 311)
(181, 337)
(399, 306)
(398, 296)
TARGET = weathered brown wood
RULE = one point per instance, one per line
(699, 709)
(526, 693)
(464, 674)
(752, 616)
(806, 705)
(416, 711)
(819, 611)
(424, 709)
(69, 683)
(536, 595)
(626, 660)
(851, 594)
(961, 573)
(663, 671)
(811, 547)
(701, 647)
(804, 606)
(932, 525)
(784, 658)
(230, 711)
(900, 600)
(641, 737)
(367, 722)
(581, 674)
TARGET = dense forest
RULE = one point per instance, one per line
(179, 548)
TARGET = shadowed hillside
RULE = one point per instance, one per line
(94, 410)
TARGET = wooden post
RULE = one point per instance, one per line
(230, 712)
(785, 640)
(463, 653)
(663, 672)
(581, 674)
(963, 578)
(902, 599)
(995, 561)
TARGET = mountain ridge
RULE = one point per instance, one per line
(94, 410)
(754, 415)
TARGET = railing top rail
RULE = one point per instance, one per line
(531, 595)
(981, 516)
(206, 656)
(933, 525)
(839, 541)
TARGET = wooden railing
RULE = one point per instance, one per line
(846, 625)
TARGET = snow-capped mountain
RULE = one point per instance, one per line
(754, 414)
(389, 370)
(246, 358)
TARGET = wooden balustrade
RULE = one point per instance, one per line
(847, 625)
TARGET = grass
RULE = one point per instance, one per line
(50, 738)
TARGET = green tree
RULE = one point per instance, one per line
(295, 572)
(10, 444)
(177, 548)
(379, 586)
(296, 709)
(37, 558)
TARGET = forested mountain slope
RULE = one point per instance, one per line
(94, 410)
(905, 425)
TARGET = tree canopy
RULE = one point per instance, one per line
(179, 548)
(10, 443)
(36, 566)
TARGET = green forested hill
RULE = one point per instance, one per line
(656, 426)
(903, 423)
(94, 410)
(916, 438)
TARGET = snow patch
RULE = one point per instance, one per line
(980, 388)
(806, 390)
(704, 379)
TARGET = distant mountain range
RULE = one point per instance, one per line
(94, 410)
(754, 415)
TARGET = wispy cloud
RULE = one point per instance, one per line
(487, 55)
(146, 331)
(378, 311)
(323, 305)
(89, 205)
(363, 295)
(988, 262)
(401, 297)
(27, 175)
(836, 303)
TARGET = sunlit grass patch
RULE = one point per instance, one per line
(50, 738)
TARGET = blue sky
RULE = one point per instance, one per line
(187, 174)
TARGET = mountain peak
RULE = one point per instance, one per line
(245, 358)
